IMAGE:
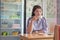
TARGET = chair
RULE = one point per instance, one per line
(57, 32)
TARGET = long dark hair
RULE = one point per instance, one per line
(34, 8)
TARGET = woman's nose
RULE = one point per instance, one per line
(39, 13)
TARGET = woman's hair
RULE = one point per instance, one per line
(34, 8)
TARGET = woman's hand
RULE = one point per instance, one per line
(34, 18)
(41, 31)
(30, 27)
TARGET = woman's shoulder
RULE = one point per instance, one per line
(29, 18)
(43, 18)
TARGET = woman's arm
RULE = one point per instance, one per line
(29, 27)
(30, 24)
(44, 24)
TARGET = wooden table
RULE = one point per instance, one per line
(36, 37)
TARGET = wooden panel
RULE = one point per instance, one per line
(56, 33)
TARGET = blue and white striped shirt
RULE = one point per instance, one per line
(39, 24)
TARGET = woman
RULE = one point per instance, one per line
(37, 23)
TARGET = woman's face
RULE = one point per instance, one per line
(38, 12)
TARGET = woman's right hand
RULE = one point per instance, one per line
(29, 28)
(34, 18)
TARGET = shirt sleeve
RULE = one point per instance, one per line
(27, 23)
(44, 24)
(28, 20)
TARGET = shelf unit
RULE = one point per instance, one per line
(12, 15)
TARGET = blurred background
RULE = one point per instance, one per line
(15, 13)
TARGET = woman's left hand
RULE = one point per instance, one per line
(41, 31)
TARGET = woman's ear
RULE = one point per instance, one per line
(42, 14)
(33, 12)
